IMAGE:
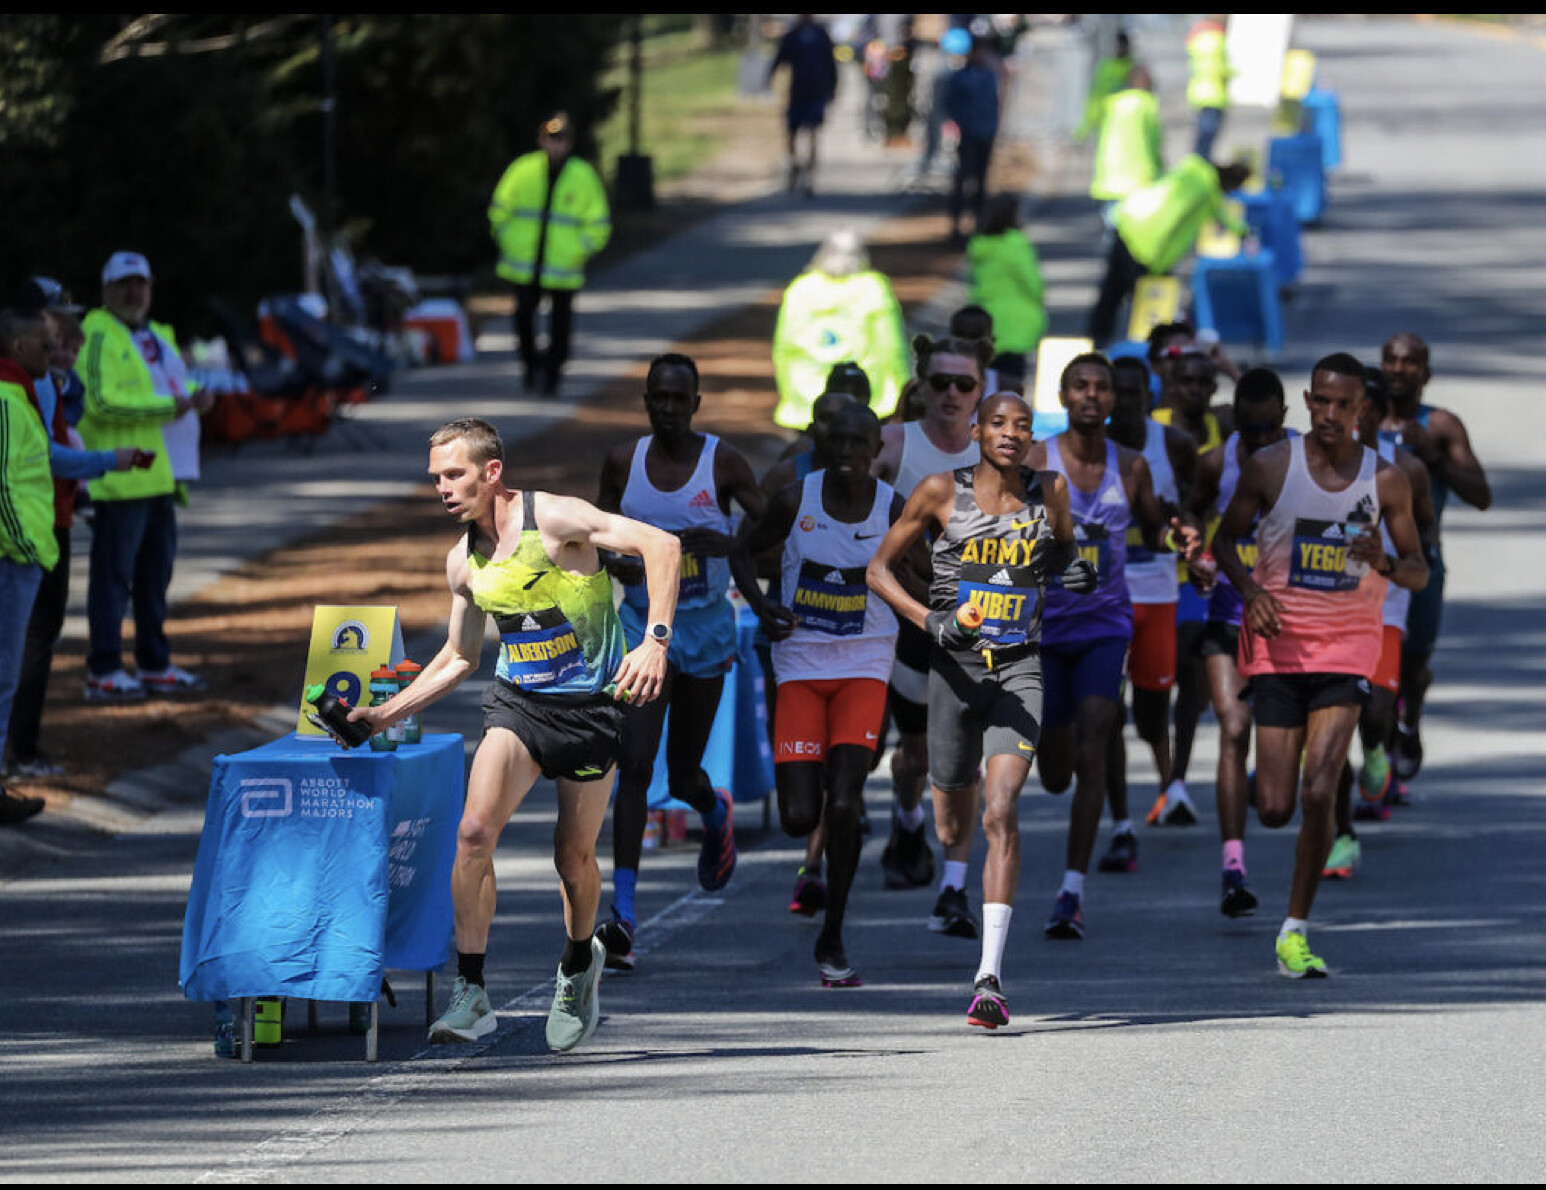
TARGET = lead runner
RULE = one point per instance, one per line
(1002, 529)
(529, 559)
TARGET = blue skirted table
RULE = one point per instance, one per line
(320, 869)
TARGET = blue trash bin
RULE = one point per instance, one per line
(1296, 161)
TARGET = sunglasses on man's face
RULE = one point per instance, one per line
(940, 381)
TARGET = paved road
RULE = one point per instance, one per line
(1163, 1048)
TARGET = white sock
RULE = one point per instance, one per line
(1125, 827)
(995, 932)
(912, 819)
(1294, 925)
(955, 875)
(1073, 882)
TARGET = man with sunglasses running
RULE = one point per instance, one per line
(950, 374)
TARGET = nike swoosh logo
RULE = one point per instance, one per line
(535, 579)
(865, 536)
(1023, 746)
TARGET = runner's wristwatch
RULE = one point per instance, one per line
(659, 632)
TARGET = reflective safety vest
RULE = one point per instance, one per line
(579, 222)
(1127, 155)
(1160, 222)
(26, 481)
(1207, 53)
(825, 320)
(1109, 77)
(123, 407)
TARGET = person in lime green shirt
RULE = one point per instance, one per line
(1005, 280)
(1207, 87)
(1157, 225)
(1109, 77)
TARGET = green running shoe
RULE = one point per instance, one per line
(576, 1005)
(1343, 859)
(1374, 777)
(1295, 959)
(468, 1017)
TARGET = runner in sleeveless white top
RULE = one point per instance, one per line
(802, 456)
(1310, 639)
(1377, 723)
(1084, 641)
(682, 481)
(833, 644)
(1000, 529)
(1259, 407)
(950, 375)
(1151, 584)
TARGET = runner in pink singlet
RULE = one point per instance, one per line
(1310, 636)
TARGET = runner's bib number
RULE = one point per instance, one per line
(1007, 597)
(538, 649)
(831, 599)
(1320, 561)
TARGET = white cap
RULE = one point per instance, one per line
(125, 264)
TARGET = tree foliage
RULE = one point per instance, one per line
(182, 136)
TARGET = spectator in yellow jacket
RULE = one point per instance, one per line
(549, 215)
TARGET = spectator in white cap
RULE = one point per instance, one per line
(136, 391)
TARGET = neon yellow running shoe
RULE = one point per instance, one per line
(1295, 959)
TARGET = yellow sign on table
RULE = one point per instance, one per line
(347, 643)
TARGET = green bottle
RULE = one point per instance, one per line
(383, 685)
(413, 726)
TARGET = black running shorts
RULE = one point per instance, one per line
(576, 737)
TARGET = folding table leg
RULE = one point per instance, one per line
(311, 1016)
(429, 999)
(246, 1010)
(372, 1037)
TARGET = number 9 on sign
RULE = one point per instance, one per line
(344, 686)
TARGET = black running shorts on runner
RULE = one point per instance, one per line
(570, 736)
(976, 713)
(1221, 639)
(1286, 700)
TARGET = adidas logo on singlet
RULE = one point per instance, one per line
(1002, 579)
(704, 499)
(529, 624)
(1112, 496)
(835, 577)
(1332, 532)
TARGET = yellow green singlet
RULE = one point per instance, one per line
(558, 630)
